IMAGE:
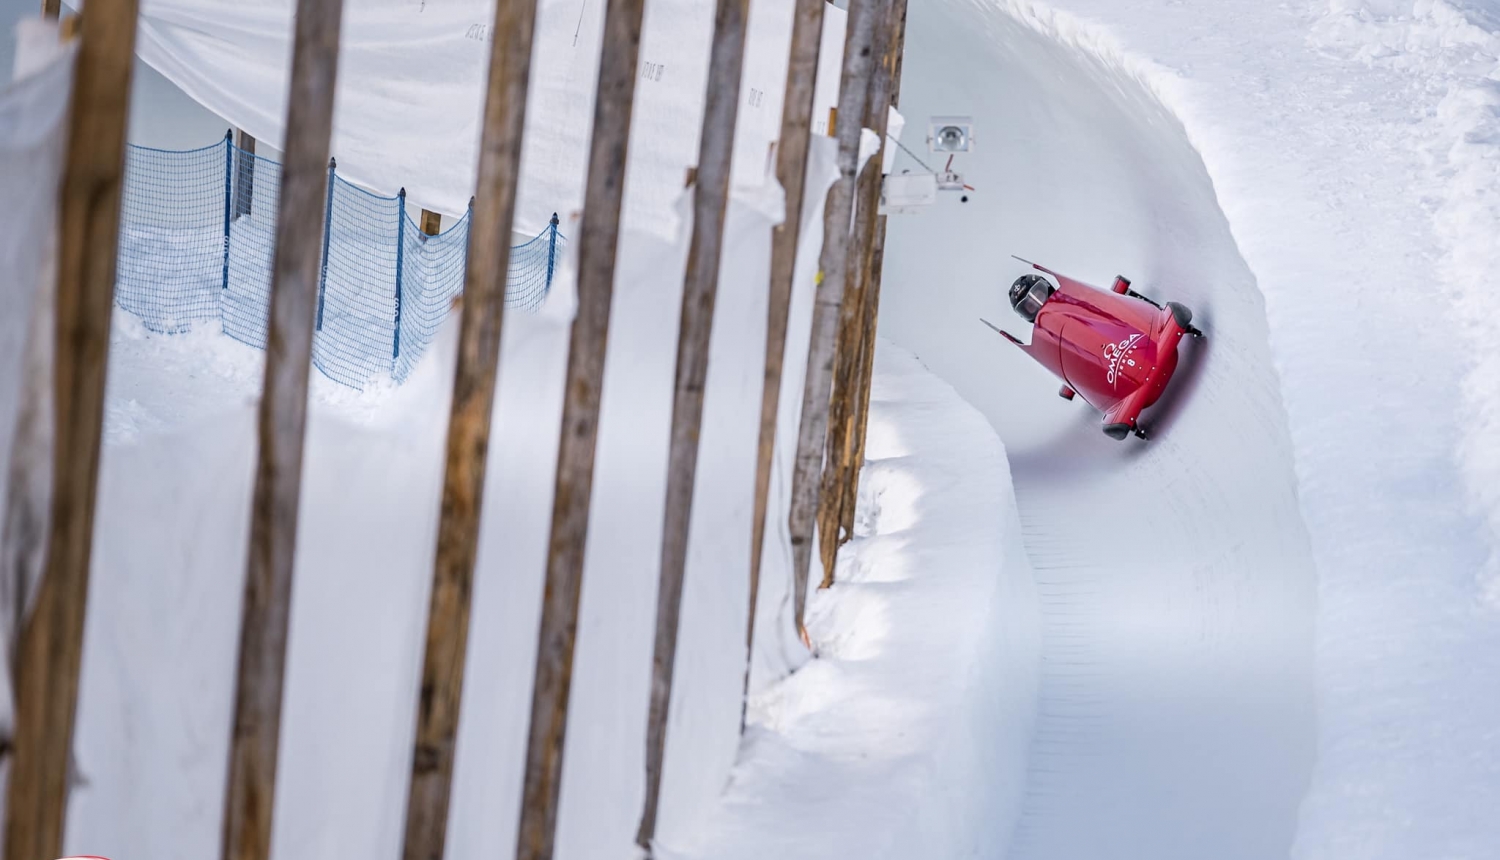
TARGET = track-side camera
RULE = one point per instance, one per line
(950, 134)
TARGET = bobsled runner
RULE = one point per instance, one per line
(1116, 348)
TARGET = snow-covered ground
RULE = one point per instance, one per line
(1270, 632)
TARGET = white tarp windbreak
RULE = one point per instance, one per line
(411, 88)
(33, 136)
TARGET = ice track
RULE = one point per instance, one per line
(1175, 584)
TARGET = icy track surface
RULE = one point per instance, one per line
(1175, 713)
(1286, 172)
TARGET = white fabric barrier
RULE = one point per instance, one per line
(411, 87)
(33, 137)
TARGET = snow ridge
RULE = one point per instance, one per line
(1095, 41)
(1452, 54)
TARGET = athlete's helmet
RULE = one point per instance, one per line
(1028, 294)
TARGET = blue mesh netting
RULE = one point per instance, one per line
(197, 235)
(171, 261)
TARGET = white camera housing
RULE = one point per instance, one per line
(950, 134)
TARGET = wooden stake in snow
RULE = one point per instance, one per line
(700, 290)
(874, 269)
(791, 170)
(808, 467)
(51, 643)
(244, 174)
(856, 314)
(469, 429)
(283, 418)
(599, 234)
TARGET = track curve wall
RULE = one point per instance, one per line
(1176, 585)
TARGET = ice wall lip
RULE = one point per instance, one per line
(1175, 578)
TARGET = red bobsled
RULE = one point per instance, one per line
(1116, 348)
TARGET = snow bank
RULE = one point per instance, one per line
(908, 736)
(1449, 55)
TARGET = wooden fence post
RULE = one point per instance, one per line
(699, 294)
(432, 222)
(874, 269)
(250, 798)
(791, 170)
(469, 425)
(808, 466)
(838, 470)
(598, 238)
(51, 639)
(244, 174)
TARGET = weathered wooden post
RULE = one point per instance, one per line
(791, 170)
(812, 433)
(244, 174)
(838, 469)
(874, 269)
(51, 640)
(492, 215)
(699, 294)
(432, 223)
(283, 418)
(598, 238)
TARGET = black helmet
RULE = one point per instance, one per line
(1028, 294)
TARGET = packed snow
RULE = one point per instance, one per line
(1269, 632)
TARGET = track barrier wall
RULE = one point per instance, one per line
(196, 237)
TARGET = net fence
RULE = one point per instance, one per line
(197, 234)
